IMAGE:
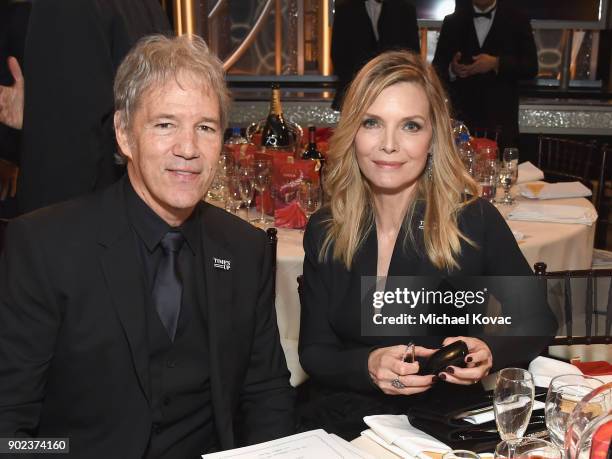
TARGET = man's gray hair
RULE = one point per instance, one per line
(156, 59)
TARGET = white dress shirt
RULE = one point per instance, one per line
(373, 8)
(482, 24)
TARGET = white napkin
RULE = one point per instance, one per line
(518, 235)
(556, 190)
(545, 369)
(396, 430)
(554, 213)
(489, 415)
(527, 172)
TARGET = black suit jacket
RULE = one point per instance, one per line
(334, 349)
(354, 42)
(73, 350)
(13, 28)
(488, 100)
(72, 52)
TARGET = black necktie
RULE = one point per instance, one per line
(487, 15)
(167, 288)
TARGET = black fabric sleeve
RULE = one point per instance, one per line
(67, 136)
(30, 319)
(527, 301)
(523, 64)
(267, 399)
(323, 355)
(444, 51)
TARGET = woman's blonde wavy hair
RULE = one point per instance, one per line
(350, 196)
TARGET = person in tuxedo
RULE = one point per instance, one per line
(364, 29)
(400, 206)
(482, 53)
(139, 321)
(73, 49)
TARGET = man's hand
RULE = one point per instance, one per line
(11, 98)
(458, 69)
(483, 63)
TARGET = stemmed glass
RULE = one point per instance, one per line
(233, 196)
(309, 197)
(262, 171)
(508, 174)
(512, 403)
(247, 190)
(527, 448)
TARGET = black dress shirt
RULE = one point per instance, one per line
(183, 424)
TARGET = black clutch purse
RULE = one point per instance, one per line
(453, 354)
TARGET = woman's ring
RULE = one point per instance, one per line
(398, 384)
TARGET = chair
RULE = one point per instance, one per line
(8, 179)
(567, 286)
(272, 235)
(603, 198)
(3, 224)
(565, 160)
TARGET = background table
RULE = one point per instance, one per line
(561, 246)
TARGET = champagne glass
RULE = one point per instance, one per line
(309, 197)
(247, 189)
(564, 393)
(262, 170)
(527, 448)
(512, 404)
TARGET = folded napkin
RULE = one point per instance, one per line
(595, 368)
(489, 415)
(554, 213)
(527, 172)
(544, 369)
(554, 190)
(396, 430)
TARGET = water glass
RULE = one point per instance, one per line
(461, 454)
(513, 402)
(564, 393)
(527, 447)
(487, 177)
(505, 180)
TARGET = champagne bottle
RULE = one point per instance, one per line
(311, 151)
(276, 133)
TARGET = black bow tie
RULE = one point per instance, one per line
(487, 15)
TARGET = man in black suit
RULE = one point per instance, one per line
(482, 54)
(72, 52)
(355, 39)
(139, 321)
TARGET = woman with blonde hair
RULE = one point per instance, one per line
(400, 204)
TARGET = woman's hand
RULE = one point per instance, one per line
(479, 362)
(394, 376)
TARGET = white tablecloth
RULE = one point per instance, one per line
(560, 246)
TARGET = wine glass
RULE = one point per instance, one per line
(510, 157)
(512, 404)
(233, 196)
(247, 190)
(526, 448)
(262, 170)
(505, 179)
(564, 393)
(309, 197)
